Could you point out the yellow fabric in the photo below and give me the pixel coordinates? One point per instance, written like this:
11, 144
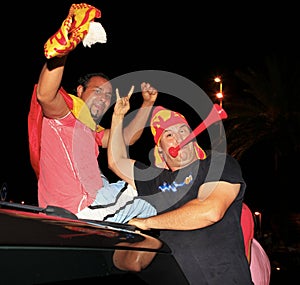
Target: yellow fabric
82, 113
72, 31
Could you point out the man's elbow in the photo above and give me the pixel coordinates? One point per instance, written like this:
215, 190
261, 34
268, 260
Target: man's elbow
132, 260
114, 166
128, 261
216, 215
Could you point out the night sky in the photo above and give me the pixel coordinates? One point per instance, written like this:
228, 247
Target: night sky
192, 39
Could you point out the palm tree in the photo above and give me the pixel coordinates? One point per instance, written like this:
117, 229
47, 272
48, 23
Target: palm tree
264, 121
267, 111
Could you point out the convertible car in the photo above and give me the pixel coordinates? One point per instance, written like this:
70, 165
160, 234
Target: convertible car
53, 246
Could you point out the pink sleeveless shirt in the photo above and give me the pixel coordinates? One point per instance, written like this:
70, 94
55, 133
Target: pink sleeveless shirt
69, 172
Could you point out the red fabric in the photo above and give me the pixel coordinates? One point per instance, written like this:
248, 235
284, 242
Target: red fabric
35, 117
163, 118
259, 261
247, 224
72, 31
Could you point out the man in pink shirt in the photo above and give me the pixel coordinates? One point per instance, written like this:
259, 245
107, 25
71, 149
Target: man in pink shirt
64, 130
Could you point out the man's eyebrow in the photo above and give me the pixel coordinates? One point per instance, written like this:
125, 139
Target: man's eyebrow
184, 125
101, 88
180, 127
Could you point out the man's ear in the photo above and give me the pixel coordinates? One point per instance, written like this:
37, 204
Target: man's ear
79, 90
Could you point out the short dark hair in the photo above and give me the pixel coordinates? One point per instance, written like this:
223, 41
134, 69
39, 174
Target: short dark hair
84, 80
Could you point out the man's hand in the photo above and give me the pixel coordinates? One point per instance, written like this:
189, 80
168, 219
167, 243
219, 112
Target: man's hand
149, 93
122, 104
72, 31
139, 223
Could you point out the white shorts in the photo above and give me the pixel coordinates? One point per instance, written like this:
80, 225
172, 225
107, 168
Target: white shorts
117, 202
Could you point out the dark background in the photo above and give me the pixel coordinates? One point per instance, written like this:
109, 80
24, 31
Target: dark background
196, 40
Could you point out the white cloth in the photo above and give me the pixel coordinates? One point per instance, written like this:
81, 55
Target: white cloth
96, 34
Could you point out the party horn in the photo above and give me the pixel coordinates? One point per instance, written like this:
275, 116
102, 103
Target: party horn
216, 114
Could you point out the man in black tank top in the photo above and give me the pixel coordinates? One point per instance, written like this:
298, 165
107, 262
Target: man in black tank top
198, 197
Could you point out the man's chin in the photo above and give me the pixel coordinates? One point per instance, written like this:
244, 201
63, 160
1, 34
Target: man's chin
184, 154
97, 119
97, 116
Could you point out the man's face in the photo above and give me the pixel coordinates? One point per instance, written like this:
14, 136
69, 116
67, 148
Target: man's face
97, 97
172, 137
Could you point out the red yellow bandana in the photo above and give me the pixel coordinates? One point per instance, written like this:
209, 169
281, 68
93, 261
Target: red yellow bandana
161, 119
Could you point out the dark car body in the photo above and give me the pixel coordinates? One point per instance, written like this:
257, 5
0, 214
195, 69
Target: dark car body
40, 247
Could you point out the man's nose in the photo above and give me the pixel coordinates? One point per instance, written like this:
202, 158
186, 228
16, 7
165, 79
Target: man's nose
102, 96
178, 137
